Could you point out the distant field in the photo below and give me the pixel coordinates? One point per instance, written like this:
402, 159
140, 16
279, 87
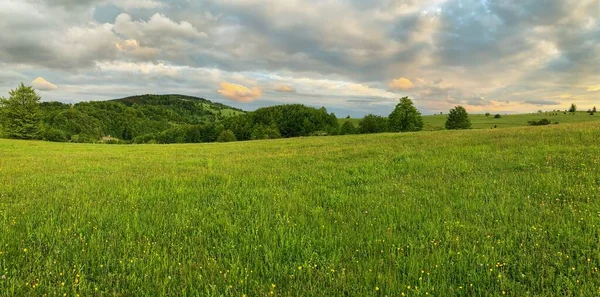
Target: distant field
480, 121
445, 213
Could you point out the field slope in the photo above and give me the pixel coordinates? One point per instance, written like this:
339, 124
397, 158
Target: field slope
486, 212
481, 121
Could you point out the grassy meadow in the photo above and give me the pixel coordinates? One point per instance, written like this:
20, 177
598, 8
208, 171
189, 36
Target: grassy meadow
487, 212
480, 121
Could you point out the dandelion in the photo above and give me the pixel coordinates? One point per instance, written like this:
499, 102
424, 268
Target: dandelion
25, 250
376, 288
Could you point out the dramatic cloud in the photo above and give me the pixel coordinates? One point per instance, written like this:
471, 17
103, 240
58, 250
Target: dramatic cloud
238, 92
401, 84
503, 56
42, 84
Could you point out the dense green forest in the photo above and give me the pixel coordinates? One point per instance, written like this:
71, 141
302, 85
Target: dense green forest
127, 118
155, 119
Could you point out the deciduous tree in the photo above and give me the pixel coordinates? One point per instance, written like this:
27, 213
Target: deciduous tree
405, 117
458, 118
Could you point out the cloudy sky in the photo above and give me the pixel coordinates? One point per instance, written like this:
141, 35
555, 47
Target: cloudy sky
351, 56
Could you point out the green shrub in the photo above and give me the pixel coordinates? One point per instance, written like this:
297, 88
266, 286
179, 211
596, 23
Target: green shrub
55, 135
226, 136
373, 124
348, 128
541, 122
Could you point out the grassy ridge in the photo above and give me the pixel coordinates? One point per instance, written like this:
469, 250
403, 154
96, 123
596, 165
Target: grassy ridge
487, 212
480, 121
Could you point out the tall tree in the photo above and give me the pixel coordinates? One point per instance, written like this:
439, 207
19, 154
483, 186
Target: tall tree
20, 113
458, 118
573, 108
405, 117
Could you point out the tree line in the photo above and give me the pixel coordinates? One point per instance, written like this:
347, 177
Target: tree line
183, 119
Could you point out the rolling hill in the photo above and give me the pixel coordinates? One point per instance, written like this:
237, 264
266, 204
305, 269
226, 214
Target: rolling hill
129, 117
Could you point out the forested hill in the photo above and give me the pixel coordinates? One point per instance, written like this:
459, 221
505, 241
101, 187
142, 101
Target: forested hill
129, 117
176, 100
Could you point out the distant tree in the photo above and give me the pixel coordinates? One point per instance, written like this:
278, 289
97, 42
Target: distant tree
487, 114
594, 109
540, 111
226, 136
372, 124
405, 117
20, 113
458, 118
497, 116
348, 128
541, 122
573, 108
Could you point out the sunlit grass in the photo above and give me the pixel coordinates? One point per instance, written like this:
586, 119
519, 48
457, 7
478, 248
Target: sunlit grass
484, 212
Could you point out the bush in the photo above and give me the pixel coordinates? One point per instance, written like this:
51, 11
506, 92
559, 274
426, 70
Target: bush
372, 124
541, 122
497, 116
348, 128
226, 136
458, 119
55, 135
265, 132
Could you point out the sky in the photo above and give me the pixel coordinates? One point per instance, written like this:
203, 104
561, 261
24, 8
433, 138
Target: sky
354, 57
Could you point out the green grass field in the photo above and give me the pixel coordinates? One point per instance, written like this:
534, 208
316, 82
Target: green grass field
480, 121
476, 213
